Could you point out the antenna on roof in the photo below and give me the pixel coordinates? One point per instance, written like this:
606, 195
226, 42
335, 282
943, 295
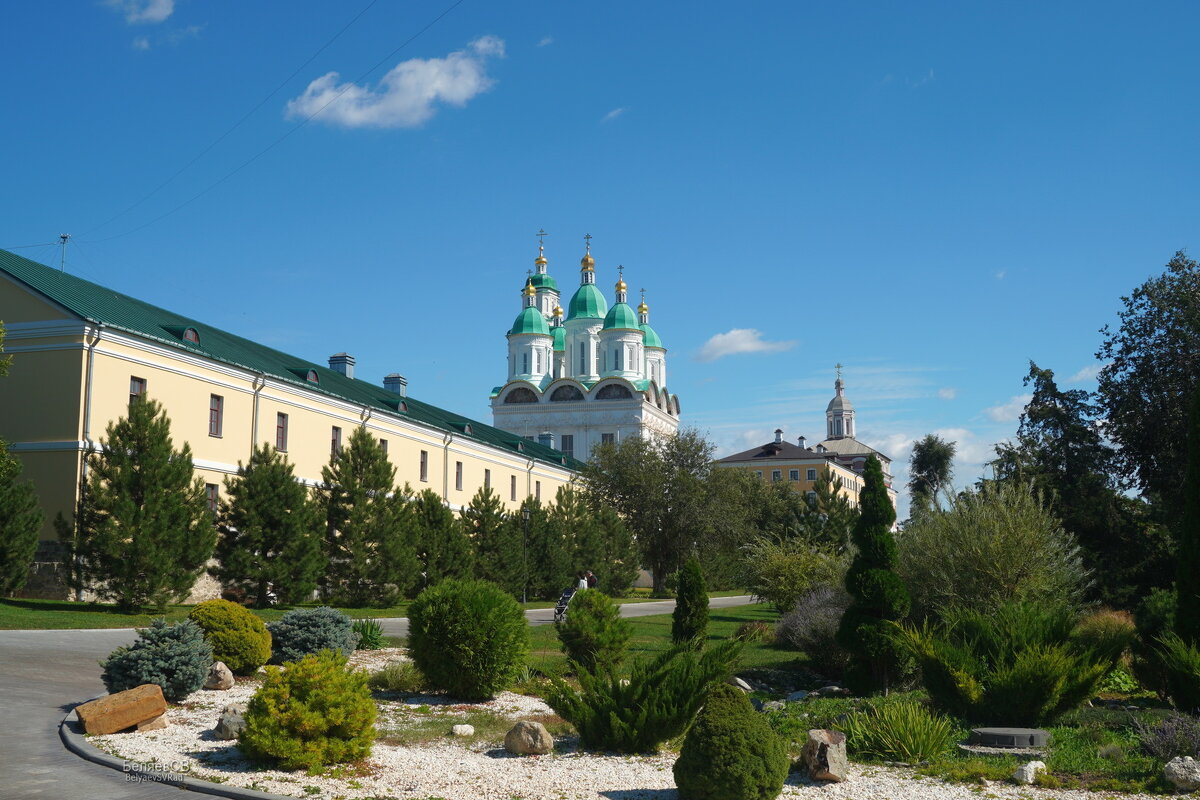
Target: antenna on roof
62, 262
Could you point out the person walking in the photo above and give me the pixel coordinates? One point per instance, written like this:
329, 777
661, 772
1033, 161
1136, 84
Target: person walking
582, 581
592, 580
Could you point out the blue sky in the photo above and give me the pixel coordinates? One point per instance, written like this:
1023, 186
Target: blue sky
929, 193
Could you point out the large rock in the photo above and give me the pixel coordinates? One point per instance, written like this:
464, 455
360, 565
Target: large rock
155, 724
529, 739
231, 722
219, 677
1183, 773
1027, 773
734, 680
462, 730
824, 756
122, 710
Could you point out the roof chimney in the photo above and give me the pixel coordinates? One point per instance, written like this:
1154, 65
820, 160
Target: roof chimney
546, 439
802, 441
396, 383
778, 435
343, 363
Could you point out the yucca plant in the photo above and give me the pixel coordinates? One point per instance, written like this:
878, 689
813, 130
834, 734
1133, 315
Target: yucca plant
906, 732
370, 634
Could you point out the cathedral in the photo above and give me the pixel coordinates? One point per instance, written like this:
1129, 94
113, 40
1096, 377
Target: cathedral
594, 374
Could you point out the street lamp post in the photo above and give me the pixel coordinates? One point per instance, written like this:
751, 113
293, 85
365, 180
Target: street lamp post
525, 557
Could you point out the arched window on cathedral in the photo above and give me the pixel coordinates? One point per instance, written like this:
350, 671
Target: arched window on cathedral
520, 395
614, 391
565, 394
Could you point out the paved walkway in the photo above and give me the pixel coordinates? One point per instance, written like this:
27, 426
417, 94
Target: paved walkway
43, 674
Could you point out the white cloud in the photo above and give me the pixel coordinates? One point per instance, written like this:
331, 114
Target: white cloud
407, 95
1000, 275
738, 341
141, 43
610, 116
921, 81
545, 41
947, 393
1088, 373
142, 11
1010, 411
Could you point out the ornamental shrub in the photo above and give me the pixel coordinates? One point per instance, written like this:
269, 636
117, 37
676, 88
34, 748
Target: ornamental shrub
754, 631
906, 732
398, 676
595, 637
1017, 664
1155, 617
176, 657
655, 704
1173, 737
370, 634
782, 571
730, 752
238, 637
313, 713
307, 631
812, 628
689, 620
468, 637
1180, 662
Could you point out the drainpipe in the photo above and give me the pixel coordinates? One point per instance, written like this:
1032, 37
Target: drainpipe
529, 478
259, 383
87, 427
447, 439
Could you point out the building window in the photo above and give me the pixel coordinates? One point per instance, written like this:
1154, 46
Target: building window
425, 465
383, 446
568, 444
137, 388
582, 361
758, 472
335, 441
811, 475
793, 475
537, 490
812, 499
312, 377
458, 475
216, 407
281, 432
776, 475
191, 335
487, 479
524, 363
212, 493
608, 438
513, 488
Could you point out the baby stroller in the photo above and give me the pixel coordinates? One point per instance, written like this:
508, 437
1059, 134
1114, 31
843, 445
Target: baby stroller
560, 609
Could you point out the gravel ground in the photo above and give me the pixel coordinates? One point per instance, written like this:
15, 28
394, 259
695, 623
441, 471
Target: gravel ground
455, 771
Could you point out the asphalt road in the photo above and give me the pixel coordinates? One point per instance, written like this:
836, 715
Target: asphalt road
43, 674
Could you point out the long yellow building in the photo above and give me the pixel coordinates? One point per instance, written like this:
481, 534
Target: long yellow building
82, 351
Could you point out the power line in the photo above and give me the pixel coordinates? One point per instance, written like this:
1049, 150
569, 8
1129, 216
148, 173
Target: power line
236, 125
281, 139
30, 246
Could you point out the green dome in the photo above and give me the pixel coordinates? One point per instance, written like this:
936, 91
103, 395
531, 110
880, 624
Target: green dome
587, 302
622, 316
530, 320
652, 339
543, 281
560, 338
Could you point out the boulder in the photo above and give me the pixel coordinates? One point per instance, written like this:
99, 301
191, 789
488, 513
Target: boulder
156, 724
741, 684
796, 697
462, 730
772, 705
833, 690
529, 738
1183, 773
231, 722
219, 677
122, 710
1027, 773
824, 756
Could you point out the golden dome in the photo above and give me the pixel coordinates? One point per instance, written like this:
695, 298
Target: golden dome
529, 290
558, 312
643, 308
587, 263
621, 287
541, 259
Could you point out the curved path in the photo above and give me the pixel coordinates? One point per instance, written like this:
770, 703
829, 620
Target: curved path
43, 674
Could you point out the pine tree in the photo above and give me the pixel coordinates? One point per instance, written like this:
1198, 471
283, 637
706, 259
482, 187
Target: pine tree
496, 537
369, 531
143, 532
548, 557
879, 595
689, 622
1187, 560
619, 561
270, 532
443, 549
20, 522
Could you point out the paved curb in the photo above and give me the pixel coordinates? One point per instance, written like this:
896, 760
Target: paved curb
71, 733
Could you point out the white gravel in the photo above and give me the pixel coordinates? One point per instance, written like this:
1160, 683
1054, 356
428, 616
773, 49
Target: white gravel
456, 770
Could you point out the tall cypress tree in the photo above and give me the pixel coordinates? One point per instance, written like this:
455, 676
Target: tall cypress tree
143, 532
443, 549
270, 532
496, 538
369, 527
20, 523
879, 595
1187, 559
689, 621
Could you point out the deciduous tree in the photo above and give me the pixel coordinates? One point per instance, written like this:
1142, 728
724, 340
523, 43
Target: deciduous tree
930, 471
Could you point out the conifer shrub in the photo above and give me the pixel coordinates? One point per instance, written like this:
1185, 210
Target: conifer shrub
1017, 664
906, 732
730, 752
1154, 618
313, 713
176, 657
307, 631
468, 637
594, 636
689, 620
656, 703
1180, 662
238, 637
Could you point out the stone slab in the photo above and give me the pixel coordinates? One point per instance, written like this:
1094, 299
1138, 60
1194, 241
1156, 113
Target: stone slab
1009, 737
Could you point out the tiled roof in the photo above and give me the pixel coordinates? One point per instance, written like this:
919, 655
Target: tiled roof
848, 446
779, 451
102, 305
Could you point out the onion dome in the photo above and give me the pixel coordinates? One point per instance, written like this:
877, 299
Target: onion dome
839, 402
621, 316
643, 308
587, 263
543, 281
560, 338
530, 321
652, 339
587, 303
529, 291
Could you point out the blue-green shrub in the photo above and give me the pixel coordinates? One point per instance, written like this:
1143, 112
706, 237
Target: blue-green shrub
176, 657
307, 631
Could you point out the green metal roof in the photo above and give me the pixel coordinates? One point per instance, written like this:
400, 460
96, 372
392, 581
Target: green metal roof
530, 320
543, 281
622, 316
587, 303
560, 338
652, 339
101, 305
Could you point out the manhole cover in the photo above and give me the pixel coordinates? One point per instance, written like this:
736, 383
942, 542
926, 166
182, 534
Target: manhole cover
1009, 737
